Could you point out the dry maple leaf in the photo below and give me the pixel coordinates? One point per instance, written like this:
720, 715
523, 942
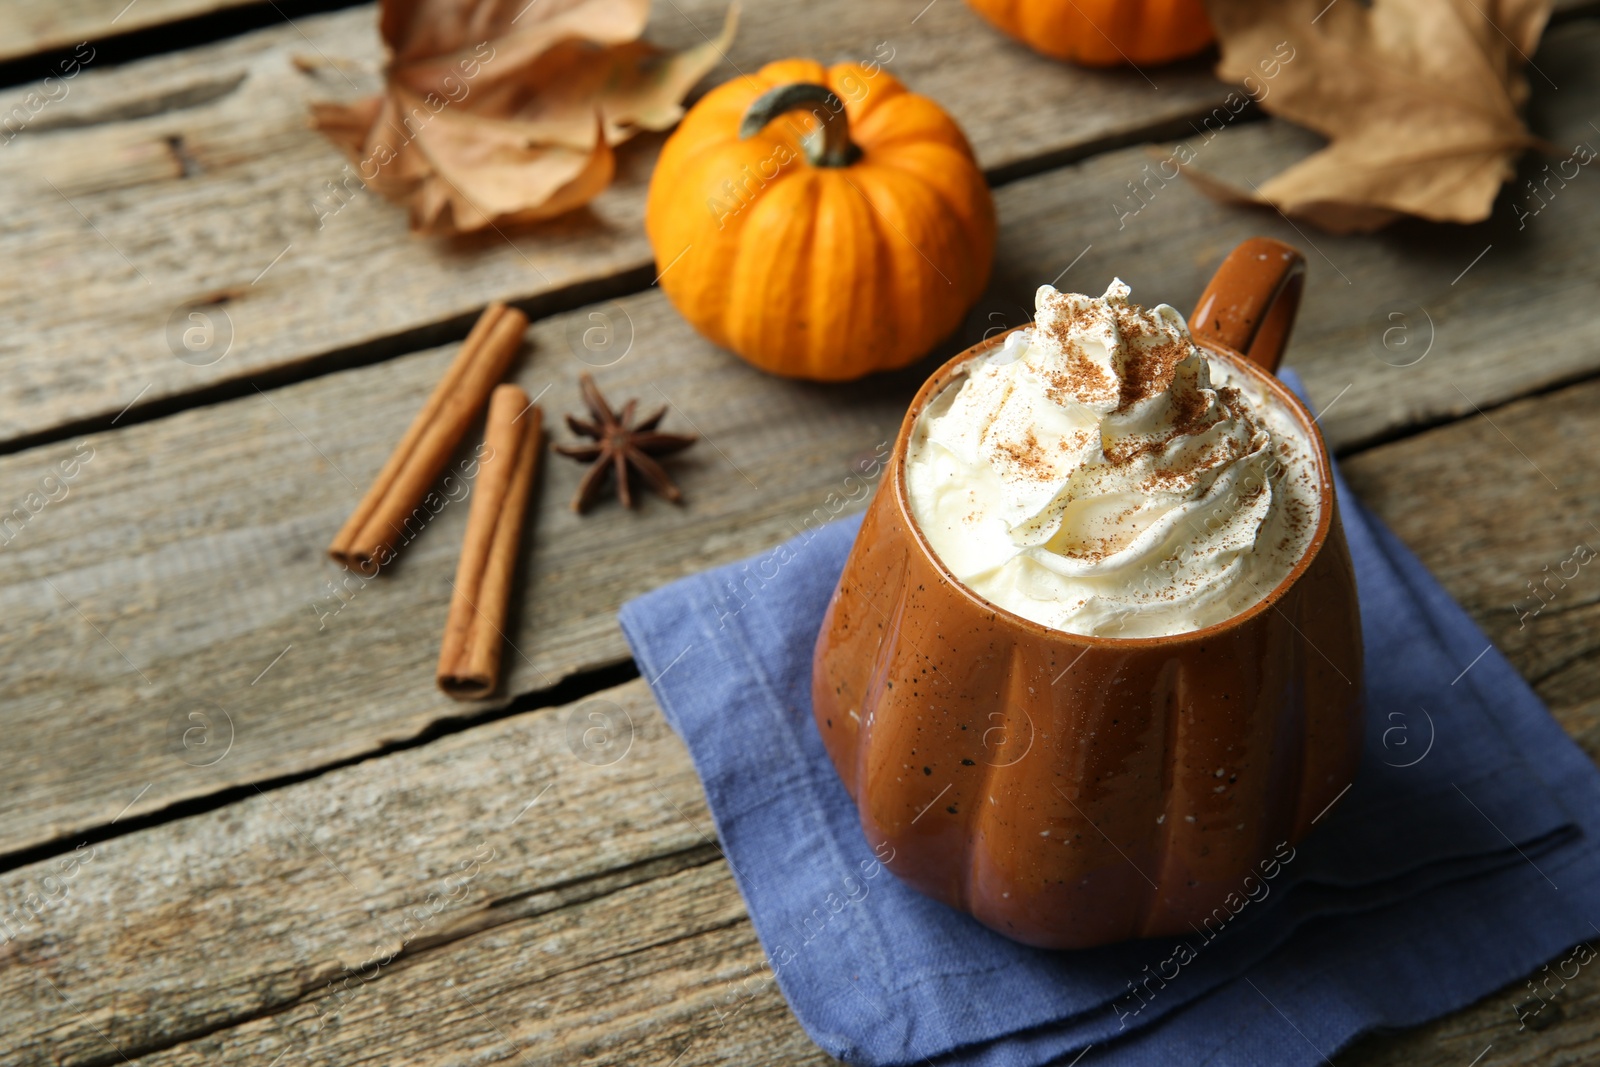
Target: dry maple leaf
1419, 100
499, 113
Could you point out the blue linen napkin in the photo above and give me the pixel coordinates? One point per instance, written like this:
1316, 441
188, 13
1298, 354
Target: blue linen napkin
1460, 859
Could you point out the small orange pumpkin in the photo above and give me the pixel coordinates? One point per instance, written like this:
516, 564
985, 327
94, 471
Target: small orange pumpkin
1103, 33
824, 246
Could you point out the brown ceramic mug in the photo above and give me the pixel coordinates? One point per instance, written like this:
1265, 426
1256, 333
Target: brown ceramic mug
1070, 791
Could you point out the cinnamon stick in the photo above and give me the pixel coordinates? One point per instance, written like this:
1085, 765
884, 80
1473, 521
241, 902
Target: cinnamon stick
469, 661
371, 534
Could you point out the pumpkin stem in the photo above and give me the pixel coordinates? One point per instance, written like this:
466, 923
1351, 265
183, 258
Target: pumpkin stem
829, 145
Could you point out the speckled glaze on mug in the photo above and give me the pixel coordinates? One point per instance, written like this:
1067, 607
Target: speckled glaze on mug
1070, 791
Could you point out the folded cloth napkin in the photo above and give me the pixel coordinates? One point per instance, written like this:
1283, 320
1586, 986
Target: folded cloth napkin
1460, 860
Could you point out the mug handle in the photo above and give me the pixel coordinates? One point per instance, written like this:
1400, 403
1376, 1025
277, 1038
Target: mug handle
1252, 299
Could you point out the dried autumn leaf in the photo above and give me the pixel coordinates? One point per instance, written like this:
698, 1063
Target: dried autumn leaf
503, 113
1419, 100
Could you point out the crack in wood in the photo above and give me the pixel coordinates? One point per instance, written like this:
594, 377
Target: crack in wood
567, 690
178, 98
491, 915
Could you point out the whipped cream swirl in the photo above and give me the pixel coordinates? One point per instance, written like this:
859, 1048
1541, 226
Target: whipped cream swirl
1099, 475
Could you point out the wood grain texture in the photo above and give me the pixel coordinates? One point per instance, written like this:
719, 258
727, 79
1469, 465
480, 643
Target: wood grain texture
35, 27
187, 555
667, 972
259, 905
604, 928
192, 181
1499, 506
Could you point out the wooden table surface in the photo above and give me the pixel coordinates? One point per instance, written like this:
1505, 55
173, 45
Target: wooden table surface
239, 754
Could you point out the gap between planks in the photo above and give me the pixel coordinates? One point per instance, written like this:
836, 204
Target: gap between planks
569, 690
545, 304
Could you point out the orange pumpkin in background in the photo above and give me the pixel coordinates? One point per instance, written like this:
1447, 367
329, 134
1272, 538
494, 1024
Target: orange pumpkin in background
822, 223
1104, 33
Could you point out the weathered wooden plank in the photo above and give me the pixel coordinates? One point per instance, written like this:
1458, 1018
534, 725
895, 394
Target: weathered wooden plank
576, 869
260, 904
668, 972
192, 180
35, 27
192, 545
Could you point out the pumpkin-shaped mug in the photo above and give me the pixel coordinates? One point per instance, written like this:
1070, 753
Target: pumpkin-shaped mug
1067, 790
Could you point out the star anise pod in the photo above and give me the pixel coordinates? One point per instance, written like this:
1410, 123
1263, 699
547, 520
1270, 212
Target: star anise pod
620, 446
